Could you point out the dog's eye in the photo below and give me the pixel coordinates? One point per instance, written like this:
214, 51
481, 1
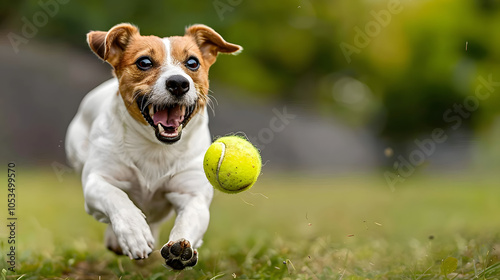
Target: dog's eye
192, 63
144, 63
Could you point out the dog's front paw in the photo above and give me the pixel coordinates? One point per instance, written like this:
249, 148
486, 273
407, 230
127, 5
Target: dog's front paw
179, 254
133, 236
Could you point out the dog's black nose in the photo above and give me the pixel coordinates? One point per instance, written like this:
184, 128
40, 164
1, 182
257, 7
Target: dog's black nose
177, 85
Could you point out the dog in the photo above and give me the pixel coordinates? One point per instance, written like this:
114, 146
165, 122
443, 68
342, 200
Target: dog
138, 140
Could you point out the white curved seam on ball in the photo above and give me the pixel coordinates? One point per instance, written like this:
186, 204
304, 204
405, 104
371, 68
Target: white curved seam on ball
223, 152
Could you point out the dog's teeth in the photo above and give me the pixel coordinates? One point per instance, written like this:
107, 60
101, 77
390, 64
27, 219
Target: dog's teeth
151, 110
160, 128
179, 129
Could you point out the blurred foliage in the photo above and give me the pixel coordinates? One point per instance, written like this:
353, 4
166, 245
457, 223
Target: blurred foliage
411, 68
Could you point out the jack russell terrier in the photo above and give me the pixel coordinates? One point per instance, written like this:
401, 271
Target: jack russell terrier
139, 139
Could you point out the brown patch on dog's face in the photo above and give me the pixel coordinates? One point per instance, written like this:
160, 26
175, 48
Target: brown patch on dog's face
135, 80
122, 46
163, 82
182, 50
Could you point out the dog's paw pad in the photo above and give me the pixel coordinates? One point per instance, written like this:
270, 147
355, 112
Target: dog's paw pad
187, 254
178, 255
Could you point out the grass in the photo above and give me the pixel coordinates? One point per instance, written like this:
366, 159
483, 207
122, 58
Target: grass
342, 227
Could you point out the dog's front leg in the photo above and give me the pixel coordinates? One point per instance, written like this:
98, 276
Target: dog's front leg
109, 204
190, 225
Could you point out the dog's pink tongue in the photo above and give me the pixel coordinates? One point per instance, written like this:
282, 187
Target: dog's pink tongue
169, 117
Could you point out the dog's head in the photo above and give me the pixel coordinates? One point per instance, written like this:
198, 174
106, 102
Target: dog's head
163, 81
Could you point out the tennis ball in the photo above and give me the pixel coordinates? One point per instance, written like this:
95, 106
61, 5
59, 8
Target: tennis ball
232, 164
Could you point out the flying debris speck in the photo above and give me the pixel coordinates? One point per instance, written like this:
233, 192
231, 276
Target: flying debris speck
388, 152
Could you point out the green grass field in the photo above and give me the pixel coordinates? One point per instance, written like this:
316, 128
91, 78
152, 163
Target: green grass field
342, 227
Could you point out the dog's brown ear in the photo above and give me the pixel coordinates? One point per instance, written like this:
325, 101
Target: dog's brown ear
210, 42
110, 45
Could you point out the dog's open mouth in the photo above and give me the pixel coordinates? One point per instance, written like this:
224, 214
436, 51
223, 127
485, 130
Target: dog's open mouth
167, 120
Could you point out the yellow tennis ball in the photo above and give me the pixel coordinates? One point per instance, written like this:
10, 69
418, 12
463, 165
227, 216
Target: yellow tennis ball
232, 164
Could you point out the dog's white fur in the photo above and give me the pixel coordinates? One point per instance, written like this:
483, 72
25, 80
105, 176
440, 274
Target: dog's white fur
132, 181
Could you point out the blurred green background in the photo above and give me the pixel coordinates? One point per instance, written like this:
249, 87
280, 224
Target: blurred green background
363, 80
369, 94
